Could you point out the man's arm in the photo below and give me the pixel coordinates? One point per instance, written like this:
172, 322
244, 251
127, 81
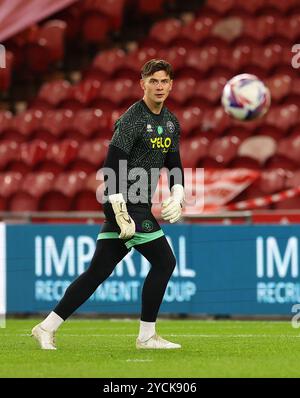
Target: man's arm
172, 207
125, 222
173, 162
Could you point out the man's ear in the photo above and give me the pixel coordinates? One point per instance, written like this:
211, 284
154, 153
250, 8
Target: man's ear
142, 83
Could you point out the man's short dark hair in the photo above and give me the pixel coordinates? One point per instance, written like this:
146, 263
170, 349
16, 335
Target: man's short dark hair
155, 65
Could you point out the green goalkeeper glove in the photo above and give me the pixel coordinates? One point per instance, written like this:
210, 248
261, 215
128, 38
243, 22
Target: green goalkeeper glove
123, 219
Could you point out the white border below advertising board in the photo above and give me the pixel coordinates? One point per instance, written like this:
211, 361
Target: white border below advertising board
2, 274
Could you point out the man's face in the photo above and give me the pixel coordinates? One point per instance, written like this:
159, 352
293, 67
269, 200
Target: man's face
157, 86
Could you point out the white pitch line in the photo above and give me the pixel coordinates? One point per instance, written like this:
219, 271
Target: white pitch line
171, 335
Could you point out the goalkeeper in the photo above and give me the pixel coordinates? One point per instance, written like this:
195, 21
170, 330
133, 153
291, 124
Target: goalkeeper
146, 139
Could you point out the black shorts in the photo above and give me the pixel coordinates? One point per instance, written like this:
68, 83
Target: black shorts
146, 225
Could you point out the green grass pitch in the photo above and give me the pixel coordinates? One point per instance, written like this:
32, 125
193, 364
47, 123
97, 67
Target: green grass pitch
106, 349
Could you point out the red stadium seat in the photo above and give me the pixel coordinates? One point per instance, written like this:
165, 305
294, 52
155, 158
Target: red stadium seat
189, 119
95, 26
22, 202
175, 55
55, 124
107, 62
70, 183
202, 59
6, 71
295, 88
9, 151
86, 199
64, 188
52, 94
63, 152
283, 117
182, 90
113, 9
221, 6
26, 123
239, 131
5, 121
71, 15
292, 179
210, 89
288, 204
270, 131
90, 123
282, 6
221, 152
290, 147
245, 162
196, 31
165, 31
266, 57
288, 27
153, 7
82, 94
32, 188
251, 7
214, 122
260, 28
280, 162
259, 148
134, 95
272, 181
33, 152
59, 156
53, 34
10, 183
91, 155
134, 61
37, 56
38, 183
280, 86
192, 150
116, 91
241, 54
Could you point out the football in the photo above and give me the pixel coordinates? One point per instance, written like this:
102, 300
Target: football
245, 97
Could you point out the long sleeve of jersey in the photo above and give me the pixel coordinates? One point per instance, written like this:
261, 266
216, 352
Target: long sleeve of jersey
173, 164
112, 163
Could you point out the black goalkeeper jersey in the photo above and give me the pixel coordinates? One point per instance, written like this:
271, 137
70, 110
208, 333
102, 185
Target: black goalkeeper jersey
146, 138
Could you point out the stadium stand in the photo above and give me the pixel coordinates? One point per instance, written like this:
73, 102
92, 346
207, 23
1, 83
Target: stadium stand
66, 123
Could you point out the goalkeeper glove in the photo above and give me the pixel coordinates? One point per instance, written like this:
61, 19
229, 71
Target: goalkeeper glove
123, 219
172, 207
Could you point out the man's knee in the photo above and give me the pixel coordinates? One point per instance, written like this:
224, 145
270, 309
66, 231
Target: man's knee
169, 264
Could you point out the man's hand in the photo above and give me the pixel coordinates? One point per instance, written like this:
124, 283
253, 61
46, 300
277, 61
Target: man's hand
123, 219
172, 207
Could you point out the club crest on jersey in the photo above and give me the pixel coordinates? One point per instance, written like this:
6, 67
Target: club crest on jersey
149, 128
160, 130
147, 225
170, 127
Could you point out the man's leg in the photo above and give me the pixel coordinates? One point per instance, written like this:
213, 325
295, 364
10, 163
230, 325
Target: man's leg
108, 253
159, 253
